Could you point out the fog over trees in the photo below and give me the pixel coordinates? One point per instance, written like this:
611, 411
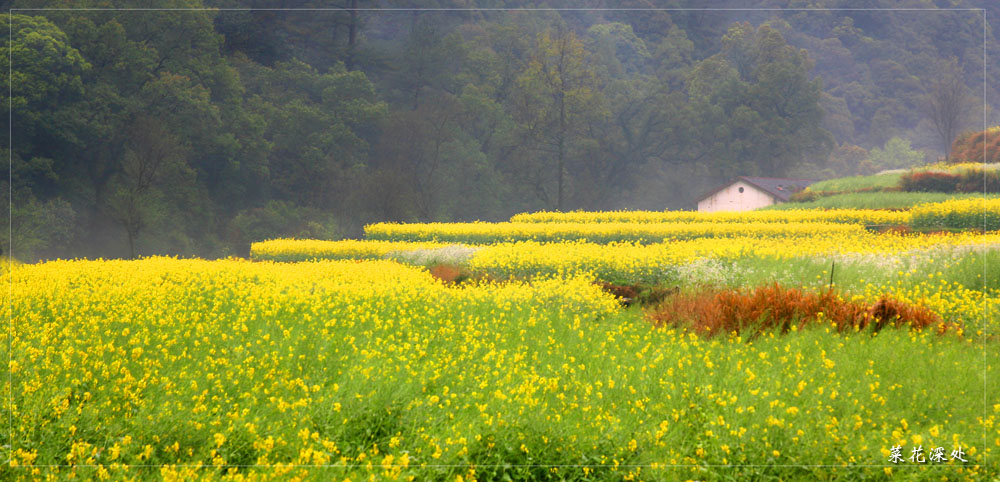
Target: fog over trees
201, 128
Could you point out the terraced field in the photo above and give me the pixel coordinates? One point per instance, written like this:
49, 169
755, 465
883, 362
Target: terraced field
472, 352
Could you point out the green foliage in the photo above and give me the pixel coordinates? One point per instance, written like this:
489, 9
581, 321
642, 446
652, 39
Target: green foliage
46, 68
280, 219
315, 128
896, 154
46, 75
764, 108
434, 116
537, 453
40, 229
557, 98
618, 48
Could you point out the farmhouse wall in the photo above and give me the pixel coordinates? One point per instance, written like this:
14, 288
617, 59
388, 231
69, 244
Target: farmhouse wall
731, 199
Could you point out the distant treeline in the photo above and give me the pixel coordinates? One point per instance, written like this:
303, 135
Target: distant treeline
196, 132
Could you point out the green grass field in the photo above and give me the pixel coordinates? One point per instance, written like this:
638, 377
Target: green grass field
878, 200
849, 184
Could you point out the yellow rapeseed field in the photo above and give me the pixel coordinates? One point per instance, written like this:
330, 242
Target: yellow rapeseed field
626, 260
958, 214
655, 261
190, 369
853, 216
363, 368
487, 233
313, 249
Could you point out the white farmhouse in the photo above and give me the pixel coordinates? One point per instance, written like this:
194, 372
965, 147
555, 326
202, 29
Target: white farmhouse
746, 193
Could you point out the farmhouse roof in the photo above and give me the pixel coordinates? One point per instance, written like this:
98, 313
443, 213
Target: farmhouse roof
779, 188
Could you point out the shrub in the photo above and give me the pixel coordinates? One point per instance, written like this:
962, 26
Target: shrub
625, 293
929, 182
640, 293
896, 154
805, 196
982, 146
773, 307
979, 180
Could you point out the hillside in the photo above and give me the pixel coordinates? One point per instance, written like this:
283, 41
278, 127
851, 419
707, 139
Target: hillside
900, 189
200, 129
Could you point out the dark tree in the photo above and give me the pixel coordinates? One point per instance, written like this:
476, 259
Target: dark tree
948, 104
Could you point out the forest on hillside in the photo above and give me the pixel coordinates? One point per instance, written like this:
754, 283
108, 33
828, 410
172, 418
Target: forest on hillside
209, 124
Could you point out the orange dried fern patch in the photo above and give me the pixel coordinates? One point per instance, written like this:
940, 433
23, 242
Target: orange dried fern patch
772, 307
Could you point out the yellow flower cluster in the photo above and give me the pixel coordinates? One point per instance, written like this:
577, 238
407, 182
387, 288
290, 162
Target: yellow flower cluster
232, 363
974, 310
7, 264
972, 213
854, 216
488, 233
314, 249
960, 166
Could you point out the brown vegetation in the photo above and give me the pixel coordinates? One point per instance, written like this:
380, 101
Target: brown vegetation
642, 294
969, 180
982, 146
929, 181
808, 195
771, 307
896, 229
448, 273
